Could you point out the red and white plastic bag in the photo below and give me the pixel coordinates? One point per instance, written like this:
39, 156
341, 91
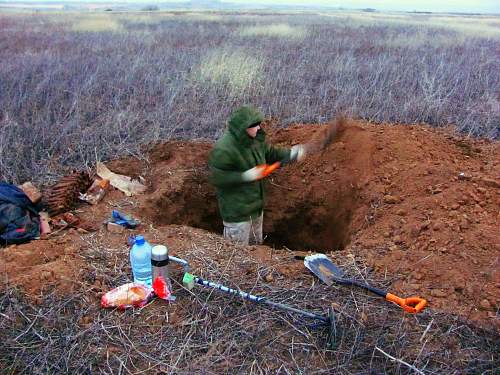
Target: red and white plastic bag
128, 295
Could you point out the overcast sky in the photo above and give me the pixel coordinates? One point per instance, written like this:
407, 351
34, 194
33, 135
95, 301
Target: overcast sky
480, 6
489, 6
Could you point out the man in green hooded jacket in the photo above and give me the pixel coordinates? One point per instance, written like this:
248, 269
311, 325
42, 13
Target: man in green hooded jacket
238, 162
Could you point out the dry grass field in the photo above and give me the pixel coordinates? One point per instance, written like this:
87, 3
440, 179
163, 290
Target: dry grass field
76, 86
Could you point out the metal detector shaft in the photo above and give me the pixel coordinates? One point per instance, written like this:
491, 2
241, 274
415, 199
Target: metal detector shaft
184, 263
258, 299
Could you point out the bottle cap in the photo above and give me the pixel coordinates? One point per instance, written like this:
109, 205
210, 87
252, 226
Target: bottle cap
139, 240
159, 252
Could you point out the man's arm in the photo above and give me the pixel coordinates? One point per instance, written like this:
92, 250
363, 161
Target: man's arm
223, 171
285, 155
224, 174
274, 154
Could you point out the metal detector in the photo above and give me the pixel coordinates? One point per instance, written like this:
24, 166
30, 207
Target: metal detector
189, 280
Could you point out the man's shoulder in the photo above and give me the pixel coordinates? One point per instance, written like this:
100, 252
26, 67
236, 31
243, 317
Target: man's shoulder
226, 142
222, 148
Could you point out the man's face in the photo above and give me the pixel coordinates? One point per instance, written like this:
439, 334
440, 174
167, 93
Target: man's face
252, 132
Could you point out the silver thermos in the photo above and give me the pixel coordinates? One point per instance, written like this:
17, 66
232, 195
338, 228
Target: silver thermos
159, 264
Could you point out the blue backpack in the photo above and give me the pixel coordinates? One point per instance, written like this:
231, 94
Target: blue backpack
19, 220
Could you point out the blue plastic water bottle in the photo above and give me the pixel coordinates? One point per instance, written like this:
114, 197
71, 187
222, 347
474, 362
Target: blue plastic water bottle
140, 258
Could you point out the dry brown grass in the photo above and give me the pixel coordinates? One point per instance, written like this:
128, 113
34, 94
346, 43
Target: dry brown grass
205, 331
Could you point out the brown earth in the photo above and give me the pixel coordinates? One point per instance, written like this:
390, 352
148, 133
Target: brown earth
392, 197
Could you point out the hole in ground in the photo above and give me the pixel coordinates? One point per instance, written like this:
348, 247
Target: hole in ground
310, 230
320, 224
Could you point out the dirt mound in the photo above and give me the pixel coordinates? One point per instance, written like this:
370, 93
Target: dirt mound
179, 191
412, 202
416, 205
41, 266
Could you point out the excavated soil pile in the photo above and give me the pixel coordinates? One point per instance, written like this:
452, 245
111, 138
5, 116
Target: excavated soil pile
416, 205
39, 266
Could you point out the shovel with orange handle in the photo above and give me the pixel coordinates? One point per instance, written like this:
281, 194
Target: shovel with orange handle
323, 267
271, 168
264, 170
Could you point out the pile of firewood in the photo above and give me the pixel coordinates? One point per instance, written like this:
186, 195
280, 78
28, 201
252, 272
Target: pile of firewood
63, 196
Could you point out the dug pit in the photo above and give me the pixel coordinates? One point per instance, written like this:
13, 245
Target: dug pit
319, 225
314, 205
320, 222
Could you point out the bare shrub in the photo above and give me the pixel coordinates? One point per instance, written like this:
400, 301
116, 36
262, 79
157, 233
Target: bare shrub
67, 97
280, 30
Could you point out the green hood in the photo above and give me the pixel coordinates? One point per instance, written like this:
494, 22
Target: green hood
241, 119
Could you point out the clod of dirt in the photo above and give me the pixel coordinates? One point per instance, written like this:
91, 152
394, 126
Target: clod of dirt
331, 132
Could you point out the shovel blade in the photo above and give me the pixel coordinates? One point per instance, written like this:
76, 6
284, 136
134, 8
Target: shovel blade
323, 268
